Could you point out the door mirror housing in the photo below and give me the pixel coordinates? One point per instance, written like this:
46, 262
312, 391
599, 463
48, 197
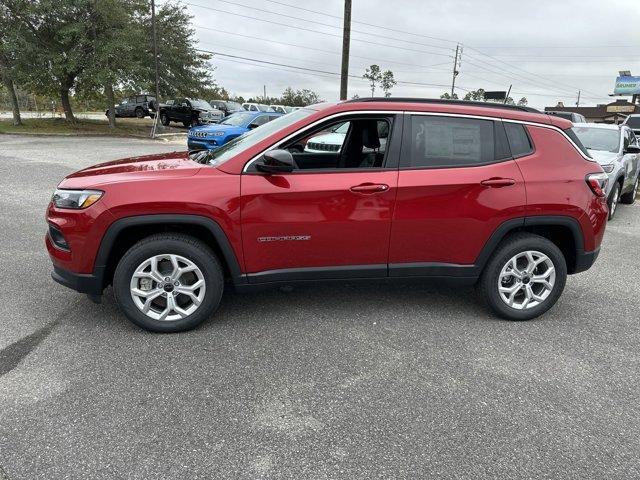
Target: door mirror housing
251, 126
632, 149
276, 161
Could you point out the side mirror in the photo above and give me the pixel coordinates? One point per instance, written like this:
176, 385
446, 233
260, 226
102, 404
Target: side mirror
276, 161
632, 149
251, 126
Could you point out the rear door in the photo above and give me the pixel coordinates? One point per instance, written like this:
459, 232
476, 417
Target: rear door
457, 184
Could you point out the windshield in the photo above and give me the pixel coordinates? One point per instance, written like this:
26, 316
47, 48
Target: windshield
633, 122
237, 119
603, 139
201, 104
234, 106
253, 137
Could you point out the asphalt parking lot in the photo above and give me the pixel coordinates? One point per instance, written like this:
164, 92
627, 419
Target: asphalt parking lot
356, 381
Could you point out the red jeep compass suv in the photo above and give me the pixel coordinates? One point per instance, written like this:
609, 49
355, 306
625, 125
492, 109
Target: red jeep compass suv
505, 197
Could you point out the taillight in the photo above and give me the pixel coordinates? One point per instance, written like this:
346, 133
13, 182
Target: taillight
598, 183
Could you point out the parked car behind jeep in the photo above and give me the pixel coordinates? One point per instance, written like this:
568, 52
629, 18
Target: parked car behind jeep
139, 106
226, 106
189, 111
616, 149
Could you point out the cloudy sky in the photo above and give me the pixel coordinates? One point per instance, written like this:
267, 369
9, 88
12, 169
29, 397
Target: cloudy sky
548, 49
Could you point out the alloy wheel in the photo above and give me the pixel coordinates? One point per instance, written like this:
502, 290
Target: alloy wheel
526, 280
614, 200
167, 287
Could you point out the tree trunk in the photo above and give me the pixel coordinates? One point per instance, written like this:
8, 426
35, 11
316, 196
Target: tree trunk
8, 83
111, 104
66, 104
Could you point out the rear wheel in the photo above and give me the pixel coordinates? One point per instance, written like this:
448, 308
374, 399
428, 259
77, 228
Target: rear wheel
614, 197
139, 112
630, 197
164, 119
524, 278
168, 283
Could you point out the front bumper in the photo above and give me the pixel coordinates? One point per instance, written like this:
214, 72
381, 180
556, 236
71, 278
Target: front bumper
89, 283
202, 144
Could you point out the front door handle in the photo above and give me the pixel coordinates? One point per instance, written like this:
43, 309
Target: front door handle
369, 188
498, 182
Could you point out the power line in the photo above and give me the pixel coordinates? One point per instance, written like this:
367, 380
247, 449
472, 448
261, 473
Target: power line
319, 32
306, 69
330, 52
315, 22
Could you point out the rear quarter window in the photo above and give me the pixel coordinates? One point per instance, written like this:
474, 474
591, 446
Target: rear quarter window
572, 135
519, 140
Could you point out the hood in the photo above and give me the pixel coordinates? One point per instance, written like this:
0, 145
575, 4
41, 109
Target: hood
603, 157
217, 127
175, 165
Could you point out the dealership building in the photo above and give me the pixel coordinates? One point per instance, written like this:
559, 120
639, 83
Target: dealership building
615, 112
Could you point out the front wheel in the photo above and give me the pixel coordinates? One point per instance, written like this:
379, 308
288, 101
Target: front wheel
168, 283
613, 200
630, 197
524, 278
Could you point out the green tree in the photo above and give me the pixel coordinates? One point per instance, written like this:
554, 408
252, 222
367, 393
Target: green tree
299, 98
387, 82
374, 76
523, 102
475, 95
447, 96
8, 71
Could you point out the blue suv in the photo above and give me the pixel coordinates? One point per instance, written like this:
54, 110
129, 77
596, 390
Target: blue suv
210, 137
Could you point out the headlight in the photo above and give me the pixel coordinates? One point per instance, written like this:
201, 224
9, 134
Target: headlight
608, 168
216, 134
75, 199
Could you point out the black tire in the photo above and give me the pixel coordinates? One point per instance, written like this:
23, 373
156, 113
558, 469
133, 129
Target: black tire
629, 198
193, 123
164, 119
508, 248
613, 200
162, 244
139, 112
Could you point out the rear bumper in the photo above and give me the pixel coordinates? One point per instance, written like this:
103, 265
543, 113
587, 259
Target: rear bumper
584, 260
89, 283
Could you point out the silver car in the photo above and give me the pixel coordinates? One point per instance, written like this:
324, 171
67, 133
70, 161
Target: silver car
616, 149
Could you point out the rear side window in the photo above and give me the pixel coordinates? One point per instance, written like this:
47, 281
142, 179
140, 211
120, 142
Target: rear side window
519, 141
450, 142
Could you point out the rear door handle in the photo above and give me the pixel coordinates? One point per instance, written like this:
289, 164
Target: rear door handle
369, 188
498, 182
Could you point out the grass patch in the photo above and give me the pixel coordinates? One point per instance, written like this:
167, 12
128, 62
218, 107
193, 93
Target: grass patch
125, 127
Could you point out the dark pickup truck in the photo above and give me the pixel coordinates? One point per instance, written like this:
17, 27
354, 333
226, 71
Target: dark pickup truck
189, 111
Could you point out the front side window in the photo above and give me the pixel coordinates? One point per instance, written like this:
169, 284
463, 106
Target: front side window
633, 122
354, 144
260, 120
449, 142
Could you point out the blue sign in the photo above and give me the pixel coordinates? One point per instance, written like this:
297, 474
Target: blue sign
627, 86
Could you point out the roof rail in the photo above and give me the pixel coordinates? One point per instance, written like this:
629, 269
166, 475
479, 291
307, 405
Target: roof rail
444, 101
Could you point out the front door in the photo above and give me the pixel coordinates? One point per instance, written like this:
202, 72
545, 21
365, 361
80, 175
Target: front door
457, 183
329, 218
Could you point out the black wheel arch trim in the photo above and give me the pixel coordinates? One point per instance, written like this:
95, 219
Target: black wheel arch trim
109, 238
537, 220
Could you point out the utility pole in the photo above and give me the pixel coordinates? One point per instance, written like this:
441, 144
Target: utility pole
155, 64
346, 41
578, 102
506, 98
456, 66
264, 93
